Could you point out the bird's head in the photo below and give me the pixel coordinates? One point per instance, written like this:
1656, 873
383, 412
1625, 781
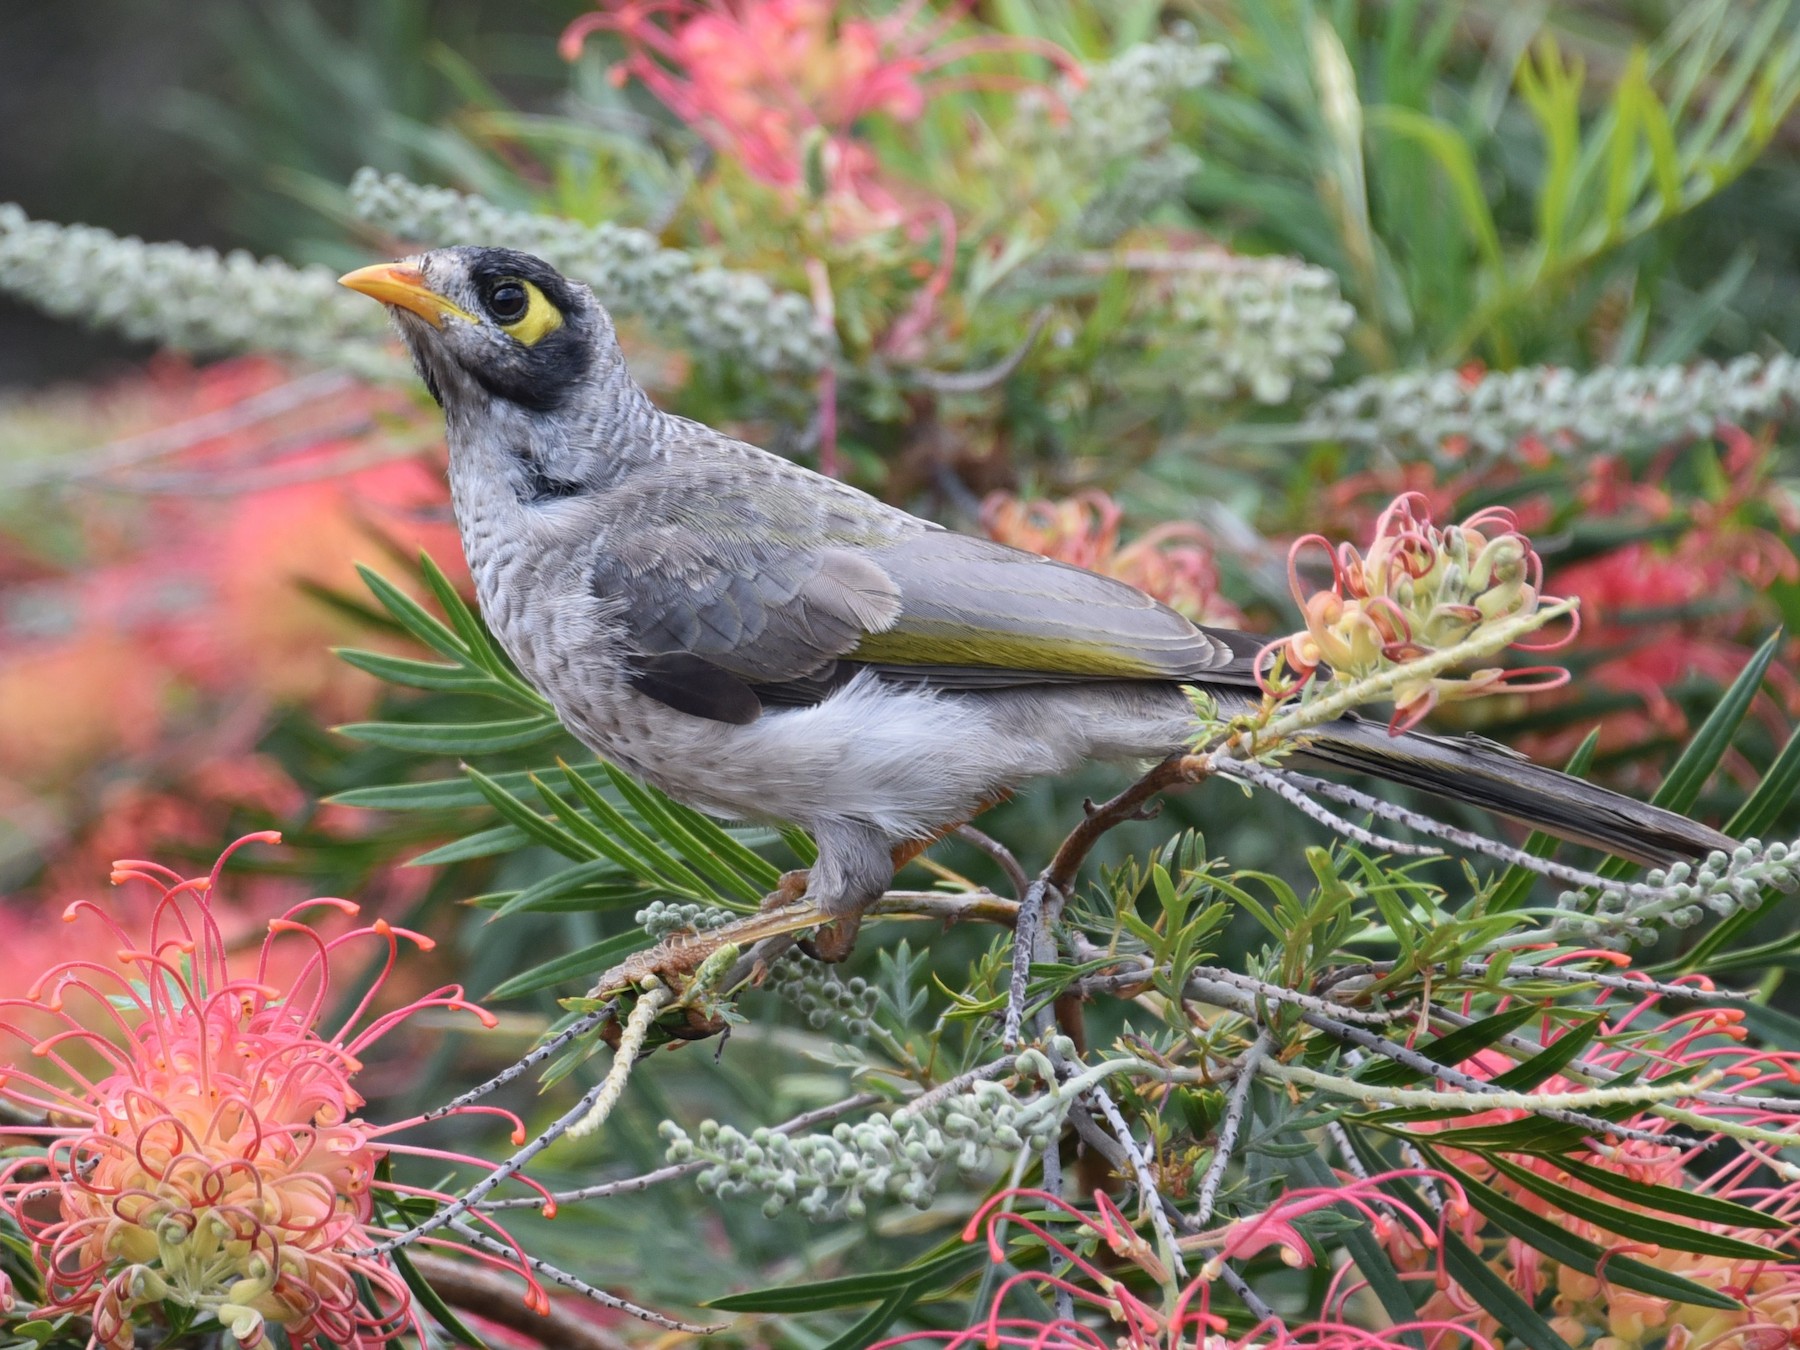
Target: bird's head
487, 324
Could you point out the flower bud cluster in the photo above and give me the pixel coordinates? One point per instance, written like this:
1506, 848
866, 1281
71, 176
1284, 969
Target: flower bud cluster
1612, 408
192, 299
1256, 326
734, 316
1420, 590
1679, 896
903, 1156
815, 989
1114, 130
662, 918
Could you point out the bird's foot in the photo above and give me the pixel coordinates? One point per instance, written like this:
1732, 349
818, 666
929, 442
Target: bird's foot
791, 889
834, 941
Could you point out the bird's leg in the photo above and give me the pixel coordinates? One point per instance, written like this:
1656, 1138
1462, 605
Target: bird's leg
856, 865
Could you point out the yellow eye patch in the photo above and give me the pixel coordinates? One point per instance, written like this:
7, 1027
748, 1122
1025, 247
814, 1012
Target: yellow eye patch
541, 318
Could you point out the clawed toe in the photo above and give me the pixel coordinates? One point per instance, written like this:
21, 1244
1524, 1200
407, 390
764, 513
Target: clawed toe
788, 890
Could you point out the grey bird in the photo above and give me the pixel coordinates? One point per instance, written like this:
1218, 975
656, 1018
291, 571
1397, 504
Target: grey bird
765, 643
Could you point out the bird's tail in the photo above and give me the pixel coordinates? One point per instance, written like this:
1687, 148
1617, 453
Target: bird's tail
1481, 773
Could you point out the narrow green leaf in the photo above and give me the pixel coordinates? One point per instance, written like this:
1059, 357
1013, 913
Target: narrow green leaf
877, 1320
1359, 1239
1630, 1223
415, 674
656, 862
415, 618
442, 794
1456, 158
1552, 1059
1452, 1049
1670, 1199
762, 874
1496, 1297
467, 627
433, 1302
1559, 1244
588, 960
454, 738
851, 1290
482, 844
699, 849
559, 884
1682, 786
516, 813
1703, 753
1773, 795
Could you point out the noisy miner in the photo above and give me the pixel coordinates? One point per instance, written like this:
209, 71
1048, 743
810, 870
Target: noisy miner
765, 643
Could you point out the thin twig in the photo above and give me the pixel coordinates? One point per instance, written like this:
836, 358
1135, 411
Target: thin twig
575, 1030
1056, 880
1235, 1106
491, 1295
919, 1105
1424, 1064
999, 852
296, 393
476, 1238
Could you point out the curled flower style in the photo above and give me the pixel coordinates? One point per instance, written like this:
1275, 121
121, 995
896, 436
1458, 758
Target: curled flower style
1752, 1261
774, 82
1172, 562
1093, 1283
205, 1161
1421, 589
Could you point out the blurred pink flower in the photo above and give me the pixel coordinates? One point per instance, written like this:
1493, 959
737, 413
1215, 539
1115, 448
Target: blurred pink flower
1172, 562
773, 82
204, 1149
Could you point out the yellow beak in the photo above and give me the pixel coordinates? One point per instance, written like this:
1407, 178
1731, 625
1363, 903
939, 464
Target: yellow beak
398, 284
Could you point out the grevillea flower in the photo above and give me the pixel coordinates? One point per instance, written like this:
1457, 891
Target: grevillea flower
1094, 1286
1638, 1036
207, 1155
773, 82
1420, 590
1173, 562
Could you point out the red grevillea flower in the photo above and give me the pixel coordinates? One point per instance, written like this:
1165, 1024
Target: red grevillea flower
207, 1155
1421, 589
767, 81
1187, 1321
1172, 562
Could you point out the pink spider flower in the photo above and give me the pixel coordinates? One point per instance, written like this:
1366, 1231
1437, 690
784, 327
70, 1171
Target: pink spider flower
1589, 1308
768, 81
1135, 1323
1172, 562
1419, 590
207, 1155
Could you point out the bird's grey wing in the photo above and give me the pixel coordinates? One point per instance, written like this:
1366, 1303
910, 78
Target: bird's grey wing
979, 613
735, 598
720, 586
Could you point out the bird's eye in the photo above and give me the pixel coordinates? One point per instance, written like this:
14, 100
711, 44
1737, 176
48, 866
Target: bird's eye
508, 300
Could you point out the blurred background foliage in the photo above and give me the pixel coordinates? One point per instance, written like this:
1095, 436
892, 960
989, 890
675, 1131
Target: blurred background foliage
1261, 268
